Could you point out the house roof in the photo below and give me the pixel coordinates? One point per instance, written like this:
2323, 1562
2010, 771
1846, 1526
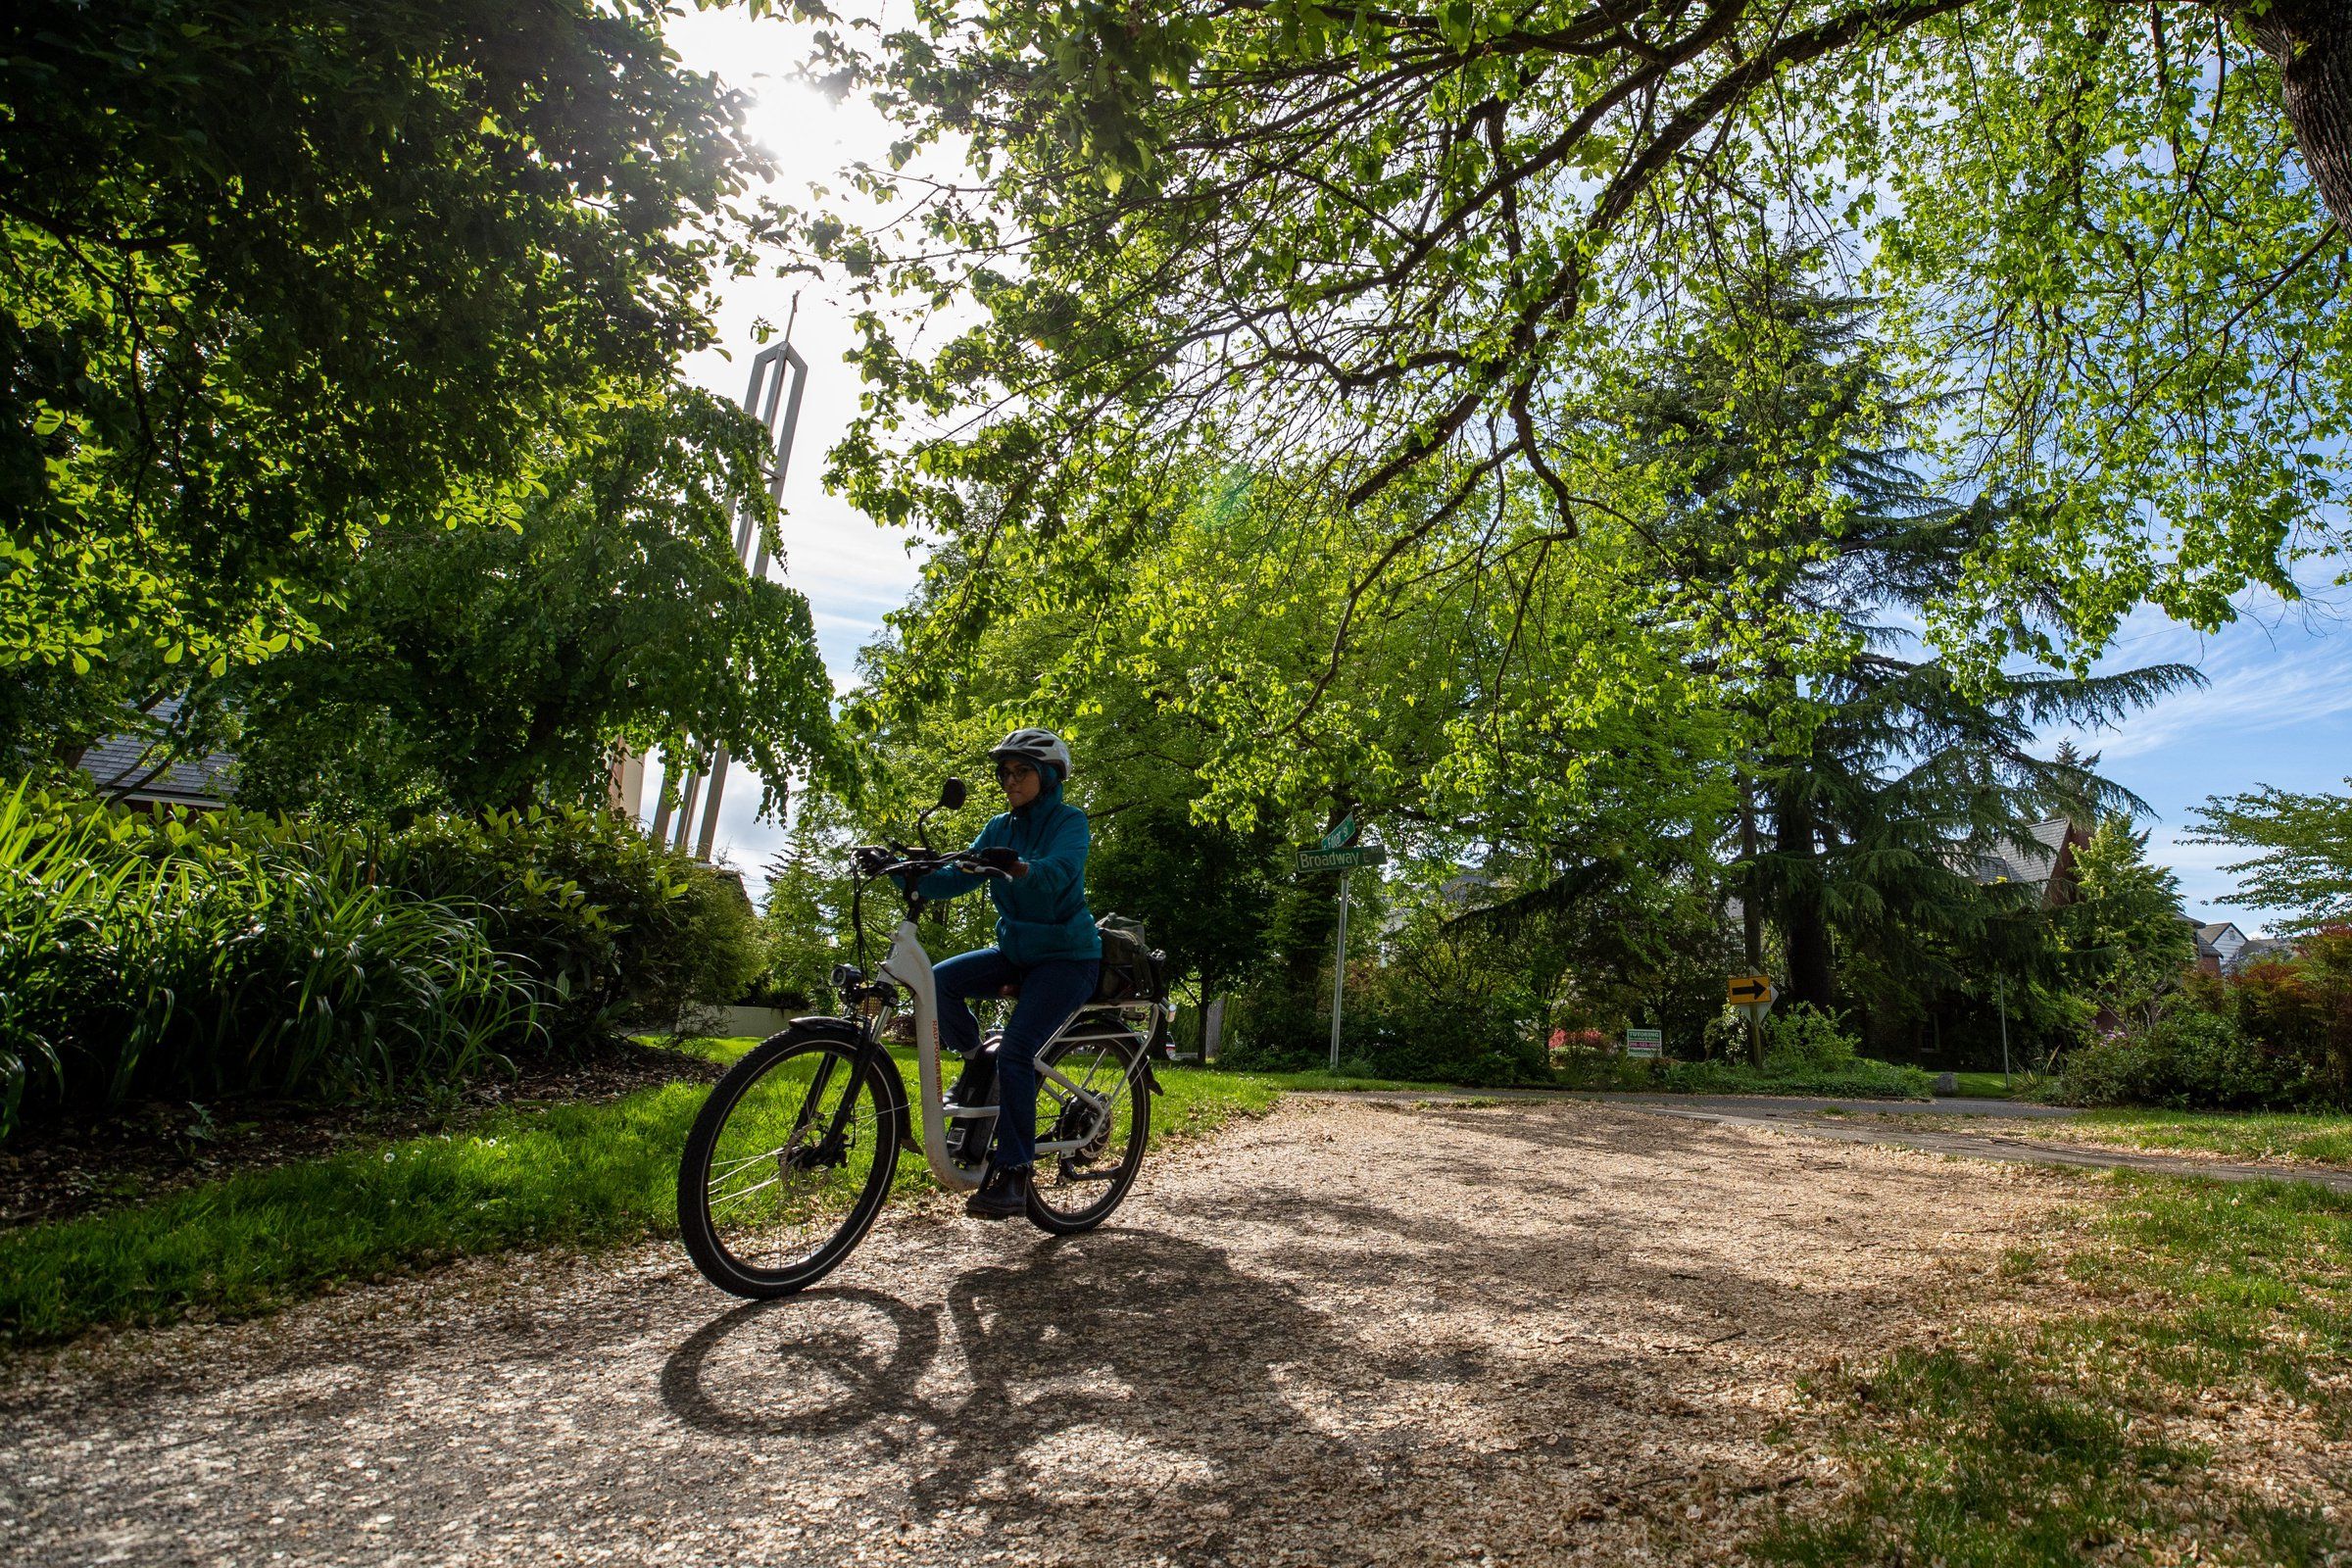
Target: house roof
2211, 933
120, 765
2030, 862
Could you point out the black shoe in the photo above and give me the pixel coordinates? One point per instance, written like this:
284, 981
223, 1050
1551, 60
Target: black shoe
1005, 1194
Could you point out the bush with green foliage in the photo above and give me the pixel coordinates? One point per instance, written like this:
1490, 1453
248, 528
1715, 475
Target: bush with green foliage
1403, 1027
1806, 1053
619, 930
238, 954
1391, 1030
2187, 1057
2277, 1035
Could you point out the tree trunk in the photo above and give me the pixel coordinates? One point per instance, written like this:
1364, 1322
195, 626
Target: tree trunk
1804, 920
2311, 42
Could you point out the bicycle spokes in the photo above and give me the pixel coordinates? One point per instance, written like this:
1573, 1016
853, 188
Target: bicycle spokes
795, 1153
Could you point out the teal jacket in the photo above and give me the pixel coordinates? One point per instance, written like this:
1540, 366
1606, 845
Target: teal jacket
1042, 915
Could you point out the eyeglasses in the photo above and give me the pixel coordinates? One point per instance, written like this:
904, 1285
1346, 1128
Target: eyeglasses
1008, 771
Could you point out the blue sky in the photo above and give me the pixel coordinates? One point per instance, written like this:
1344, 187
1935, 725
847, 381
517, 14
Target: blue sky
2277, 708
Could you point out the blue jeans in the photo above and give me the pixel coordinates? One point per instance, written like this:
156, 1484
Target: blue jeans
1051, 992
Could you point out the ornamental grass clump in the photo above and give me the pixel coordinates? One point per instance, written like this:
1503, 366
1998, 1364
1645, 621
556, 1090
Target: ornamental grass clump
221, 957
238, 954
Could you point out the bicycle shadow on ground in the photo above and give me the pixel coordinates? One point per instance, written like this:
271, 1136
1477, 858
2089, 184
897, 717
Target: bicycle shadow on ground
1096, 1366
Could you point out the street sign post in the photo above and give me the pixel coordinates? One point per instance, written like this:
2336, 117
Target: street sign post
1321, 859
1753, 995
1339, 853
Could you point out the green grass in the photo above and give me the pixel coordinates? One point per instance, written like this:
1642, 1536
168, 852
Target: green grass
2318, 1140
572, 1176
1996, 1085
2049, 1445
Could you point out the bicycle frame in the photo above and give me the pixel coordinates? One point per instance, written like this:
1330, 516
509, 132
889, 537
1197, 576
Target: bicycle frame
909, 967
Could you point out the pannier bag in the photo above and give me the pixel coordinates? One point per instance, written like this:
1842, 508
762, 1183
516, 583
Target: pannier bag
1133, 970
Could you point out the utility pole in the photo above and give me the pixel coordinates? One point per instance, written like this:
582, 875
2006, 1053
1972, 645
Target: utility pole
1339, 973
2001, 991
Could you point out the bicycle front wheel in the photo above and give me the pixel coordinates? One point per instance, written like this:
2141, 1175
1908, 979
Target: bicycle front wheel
788, 1163
1107, 1114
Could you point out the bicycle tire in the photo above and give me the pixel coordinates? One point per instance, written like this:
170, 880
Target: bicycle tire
805, 1196
1134, 1093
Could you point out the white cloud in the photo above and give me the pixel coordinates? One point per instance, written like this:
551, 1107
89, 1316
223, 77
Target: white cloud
2249, 700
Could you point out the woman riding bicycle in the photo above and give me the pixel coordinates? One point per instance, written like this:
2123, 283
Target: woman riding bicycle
1047, 945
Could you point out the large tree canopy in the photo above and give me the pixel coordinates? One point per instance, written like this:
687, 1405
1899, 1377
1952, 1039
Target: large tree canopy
1415, 255
274, 274
476, 668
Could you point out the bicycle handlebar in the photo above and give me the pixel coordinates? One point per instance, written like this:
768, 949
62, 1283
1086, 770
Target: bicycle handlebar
923, 862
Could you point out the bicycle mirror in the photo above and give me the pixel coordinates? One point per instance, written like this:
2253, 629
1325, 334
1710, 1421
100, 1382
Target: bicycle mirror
951, 795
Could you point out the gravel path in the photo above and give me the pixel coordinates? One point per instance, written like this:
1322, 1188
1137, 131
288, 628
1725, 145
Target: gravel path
1349, 1333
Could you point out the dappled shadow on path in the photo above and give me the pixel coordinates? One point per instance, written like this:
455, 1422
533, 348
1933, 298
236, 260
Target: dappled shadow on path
1341, 1336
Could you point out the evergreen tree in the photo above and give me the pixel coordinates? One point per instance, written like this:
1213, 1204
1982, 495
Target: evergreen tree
2124, 938
1871, 773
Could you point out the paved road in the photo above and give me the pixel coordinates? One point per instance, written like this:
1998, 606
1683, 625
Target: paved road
1876, 1125
1348, 1334
1783, 1107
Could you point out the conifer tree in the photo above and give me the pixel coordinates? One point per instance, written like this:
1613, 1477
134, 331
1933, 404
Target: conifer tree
1870, 781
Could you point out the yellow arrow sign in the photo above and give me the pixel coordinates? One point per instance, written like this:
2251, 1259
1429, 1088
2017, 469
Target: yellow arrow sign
1752, 988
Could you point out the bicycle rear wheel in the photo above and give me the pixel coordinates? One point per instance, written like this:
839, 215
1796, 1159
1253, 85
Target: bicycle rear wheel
1076, 1190
788, 1163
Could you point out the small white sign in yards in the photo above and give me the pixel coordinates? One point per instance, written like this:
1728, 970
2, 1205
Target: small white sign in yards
1644, 1043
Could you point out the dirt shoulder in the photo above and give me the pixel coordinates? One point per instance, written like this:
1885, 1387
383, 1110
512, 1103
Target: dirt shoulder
1349, 1333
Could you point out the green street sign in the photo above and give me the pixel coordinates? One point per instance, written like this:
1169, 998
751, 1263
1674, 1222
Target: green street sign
1319, 860
1339, 838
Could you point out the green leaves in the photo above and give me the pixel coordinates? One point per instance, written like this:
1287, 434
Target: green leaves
494, 667
289, 278
1426, 255
2304, 842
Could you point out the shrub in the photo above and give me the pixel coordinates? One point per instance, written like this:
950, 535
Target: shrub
2189, 1057
238, 953
1806, 1052
1404, 1028
1864, 1078
229, 954
1396, 1025
1802, 1039
2298, 1011
618, 930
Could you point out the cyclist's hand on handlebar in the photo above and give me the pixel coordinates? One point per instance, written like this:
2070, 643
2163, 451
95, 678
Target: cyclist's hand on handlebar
1003, 862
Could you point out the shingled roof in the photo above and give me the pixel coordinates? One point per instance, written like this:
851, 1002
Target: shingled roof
121, 765
2031, 862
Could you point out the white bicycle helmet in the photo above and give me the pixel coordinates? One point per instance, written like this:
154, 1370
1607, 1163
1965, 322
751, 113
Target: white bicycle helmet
1040, 748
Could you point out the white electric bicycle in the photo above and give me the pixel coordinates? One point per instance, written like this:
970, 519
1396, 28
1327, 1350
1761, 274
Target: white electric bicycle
797, 1148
